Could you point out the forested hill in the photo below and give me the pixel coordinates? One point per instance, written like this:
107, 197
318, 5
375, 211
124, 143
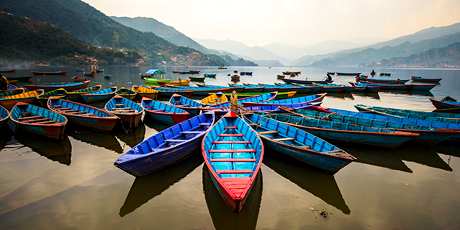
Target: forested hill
24, 39
448, 56
87, 23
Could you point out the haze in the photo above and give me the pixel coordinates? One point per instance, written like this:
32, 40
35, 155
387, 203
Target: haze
293, 22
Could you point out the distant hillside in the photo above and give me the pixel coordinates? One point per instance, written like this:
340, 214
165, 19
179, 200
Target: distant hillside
274, 63
86, 23
227, 45
260, 53
23, 39
229, 61
373, 55
448, 56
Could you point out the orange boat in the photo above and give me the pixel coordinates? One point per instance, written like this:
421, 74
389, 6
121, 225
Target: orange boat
9, 102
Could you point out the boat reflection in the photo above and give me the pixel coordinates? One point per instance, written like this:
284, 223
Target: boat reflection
447, 149
7, 135
147, 187
100, 139
343, 96
222, 216
378, 157
154, 124
59, 151
422, 155
367, 95
416, 93
319, 184
133, 137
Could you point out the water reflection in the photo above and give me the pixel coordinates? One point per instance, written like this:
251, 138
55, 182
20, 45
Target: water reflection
378, 157
132, 138
7, 135
319, 184
154, 124
222, 216
100, 139
343, 96
419, 93
422, 155
152, 185
367, 95
59, 151
447, 149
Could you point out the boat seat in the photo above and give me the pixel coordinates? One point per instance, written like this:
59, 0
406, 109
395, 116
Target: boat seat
305, 147
79, 112
233, 171
202, 124
233, 160
231, 142
24, 113
231, 135
158, 110
27, 118
232, 151
38, 120
125, 111
119, 104
284, 139
171, 140
65, 108
191, 132
185, 105
232, 127
90, 114
269, 132
46, 122
73, 110
58, 106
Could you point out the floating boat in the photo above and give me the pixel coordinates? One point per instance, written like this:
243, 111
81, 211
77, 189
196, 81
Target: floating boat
19, 78
145, 92
100, 95
168, 92
386, 86
427, 135
4, 117
58, 93
345, 133
90, 74
385, 74
194, 71
295, 73
249, 89
303, 88
423, 79
99, 70
49, 73
39, 121
365, 88
264, 97
267, 88
299, 144
202, 91
8, 102
297, 100
274, 108
155, 72
334, 88
80, 70
222, 67
445, 104
280, 95
191, 106
164, 113
126, 93
76, 95
78, 79
184, 72
166, 147
391, 81
213, 99
420, 87
128, 111
7, 70
83, 115
171, 83
198, 79
285, 88
11, 92
246, 73
107, 76
305, 81
347, 74
233, 153
68, 87
231, 89
211, 75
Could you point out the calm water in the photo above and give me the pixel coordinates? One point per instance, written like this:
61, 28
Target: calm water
73, 184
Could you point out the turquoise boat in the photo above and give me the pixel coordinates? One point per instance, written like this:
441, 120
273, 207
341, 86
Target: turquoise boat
128, 111
168, 92
76, 95
163, 113
249, 89
187, 104
297, 100
299, 144
446, 105
263, 97
4, 117
102, 95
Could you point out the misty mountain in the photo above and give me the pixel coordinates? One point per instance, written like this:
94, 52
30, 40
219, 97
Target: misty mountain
260, 53
227, 45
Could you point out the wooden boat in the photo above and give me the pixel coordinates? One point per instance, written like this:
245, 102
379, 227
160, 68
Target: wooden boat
305, 81
100, 95
390, 81
233, 153
126, 93
129, 112
231, 89
99, 70
295, 73
365, 88
303, 88
171, 83
347, 74
213, 99
194, 71
164, 113
12, 82
341, 132
107, 76
420, 87
80, 70
76, 95
211, 75
299, 144
83, 115
427, 135
11, 92
274, 108
166, 147
78, 79
386, 86
267, 88
155, 81
330, 88
423, 79
203, 91
27, 78
191, 106
385, 74
198, 79
264, 97
8, 102
49, 73
68, 87
58, 93
246, 73
184, 72
280, 95
285, 88
39, 121
445, 104
249, 89
168, 92
145, 92
222, 67
7, 70
305, 99
4, 117
90, 74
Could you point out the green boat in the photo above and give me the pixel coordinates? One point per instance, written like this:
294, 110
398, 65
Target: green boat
154, 81
152, 73
76, 95
199, 79
59, 93
280, 95
126, 93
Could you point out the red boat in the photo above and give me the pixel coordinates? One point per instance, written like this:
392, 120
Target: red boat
49, 73
7, 70
78, 79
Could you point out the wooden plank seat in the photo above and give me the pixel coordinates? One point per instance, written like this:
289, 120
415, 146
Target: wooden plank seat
172, 140
158, 110
233, 160
185, 105
119, 104
79, 112
233, 171
37, 120
64, 108
24, 113
233, 127
203, 124
45, 122
90, 114
269, 132
125, 111
232, 151
72, 110
231, 142
231, 135
58, 106
284, 139
191, 132
121, 108
29, 117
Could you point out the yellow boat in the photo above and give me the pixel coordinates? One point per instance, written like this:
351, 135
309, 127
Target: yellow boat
280, 95
145, 92
294, 72
214, 98
180, 82
9, 102
58, 93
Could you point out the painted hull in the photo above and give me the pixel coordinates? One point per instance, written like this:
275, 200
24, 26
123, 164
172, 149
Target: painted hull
420, 87
420, 79
169, 119
47, 88
307, 99
164, 113
76, 95
19, 78
440, 104
27, 97
192, 107
7, 71
266, 97
49, 73
155, 81
304, 81
347, 74
95, 97
4, 117
129, 112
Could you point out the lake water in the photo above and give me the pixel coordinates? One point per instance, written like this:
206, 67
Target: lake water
73, 184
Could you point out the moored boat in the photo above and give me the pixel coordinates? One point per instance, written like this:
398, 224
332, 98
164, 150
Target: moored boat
100, 95
305, 81
280, 95
78, 79
76, 95
187, 104
39, 121
171, 83
8, 102
166, 147
198, 79
128, 111
420, 87
11, 92
168, 92
347, 74
163, 113
296, 100
58, 93
231, 89
4, 117
126, 93
27, 78
211, 75
202, 91
152, 73
145, 92
264, 97
49, 73
445, 104
365, 88
233, 154
68, 87
391, 81
80, 70
249, 89
330, 88
424, 79
213, 99
7, 70
386, 86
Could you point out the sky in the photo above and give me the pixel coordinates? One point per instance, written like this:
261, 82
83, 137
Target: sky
262, 22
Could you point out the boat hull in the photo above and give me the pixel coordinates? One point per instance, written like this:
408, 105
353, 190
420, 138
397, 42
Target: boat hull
170, 119
440, 104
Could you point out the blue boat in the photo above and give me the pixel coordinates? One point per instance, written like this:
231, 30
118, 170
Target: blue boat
296, 100
246, 73
445, 104
263, 97
39, 121
4, 117
212, 75
393, 81
276, 108
231, 89
427, 135
267, 88
187, 104
83, 115
303, 88
233, 153
346, 89
166, 147
420, 87
330, 88
128, 111
367, 88
163, 112
287, 88
249, 89
168, 91
200, 91
102, 95
299, 144
68, 87
290, 81
80, 70
346, 133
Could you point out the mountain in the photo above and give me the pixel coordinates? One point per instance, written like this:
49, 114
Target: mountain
260, 53
87, 23
372, 55
23, 39
227, 45
448, 56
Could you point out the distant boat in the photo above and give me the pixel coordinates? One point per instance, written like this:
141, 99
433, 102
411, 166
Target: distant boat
107, 76
80, 70
246, 73
385, 74
68, 87
49, 73
305, 81
78, 79
199, 79
211, 75
99, 70
347, 74
222, 67
423, 79
19, 78
7, 70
